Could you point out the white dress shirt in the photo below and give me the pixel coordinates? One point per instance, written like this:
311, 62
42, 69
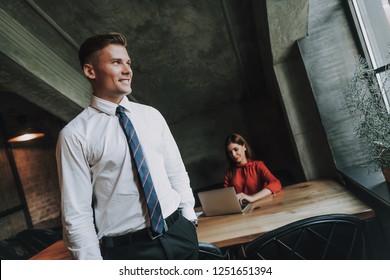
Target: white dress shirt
94, 163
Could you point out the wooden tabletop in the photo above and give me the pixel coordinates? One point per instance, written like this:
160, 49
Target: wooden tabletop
56, 251
293, 203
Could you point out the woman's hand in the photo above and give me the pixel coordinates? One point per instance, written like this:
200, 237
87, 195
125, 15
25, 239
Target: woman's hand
250, 198
244, 197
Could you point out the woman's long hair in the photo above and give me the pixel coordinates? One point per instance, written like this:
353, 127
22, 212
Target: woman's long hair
237, 139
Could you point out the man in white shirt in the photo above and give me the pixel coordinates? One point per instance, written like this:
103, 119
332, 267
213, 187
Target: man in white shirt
104, 210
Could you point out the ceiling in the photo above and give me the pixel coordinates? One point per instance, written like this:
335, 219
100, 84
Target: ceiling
189, 57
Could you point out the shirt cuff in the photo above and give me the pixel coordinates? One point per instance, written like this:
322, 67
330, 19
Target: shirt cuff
189, 213
86, 253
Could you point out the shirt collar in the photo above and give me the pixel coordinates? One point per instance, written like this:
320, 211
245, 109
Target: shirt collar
109, 107
248, 163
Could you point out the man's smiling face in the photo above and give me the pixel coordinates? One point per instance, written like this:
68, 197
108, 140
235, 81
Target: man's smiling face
110, 73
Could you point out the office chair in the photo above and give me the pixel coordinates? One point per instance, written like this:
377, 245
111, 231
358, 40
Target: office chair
325, 237
209, 251
35, 240
7, 252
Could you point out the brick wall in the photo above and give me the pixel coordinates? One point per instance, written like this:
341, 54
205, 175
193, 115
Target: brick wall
38, 174
35, 164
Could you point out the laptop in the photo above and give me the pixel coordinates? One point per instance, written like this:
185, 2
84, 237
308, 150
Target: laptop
220, 202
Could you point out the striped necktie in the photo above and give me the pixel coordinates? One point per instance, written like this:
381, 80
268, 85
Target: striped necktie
154, 209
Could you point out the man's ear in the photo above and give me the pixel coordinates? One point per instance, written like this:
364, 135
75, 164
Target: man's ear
89, 72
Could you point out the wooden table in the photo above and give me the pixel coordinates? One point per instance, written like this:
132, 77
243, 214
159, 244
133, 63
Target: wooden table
56, 251
293, 203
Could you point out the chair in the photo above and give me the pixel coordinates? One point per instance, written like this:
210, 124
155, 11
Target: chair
7, 252
209, 251
35, 240
323, 237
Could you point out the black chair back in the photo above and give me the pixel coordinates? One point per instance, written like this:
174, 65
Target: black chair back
35, 240
7, 252
337, 237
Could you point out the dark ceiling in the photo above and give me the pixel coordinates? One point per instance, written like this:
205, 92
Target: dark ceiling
189, 57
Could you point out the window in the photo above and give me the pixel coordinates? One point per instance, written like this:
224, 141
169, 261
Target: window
372, 18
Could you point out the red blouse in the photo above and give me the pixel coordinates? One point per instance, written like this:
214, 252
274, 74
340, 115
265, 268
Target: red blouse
251, 178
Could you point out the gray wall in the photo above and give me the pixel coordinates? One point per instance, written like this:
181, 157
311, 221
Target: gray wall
286, 22
202, 137
330, 53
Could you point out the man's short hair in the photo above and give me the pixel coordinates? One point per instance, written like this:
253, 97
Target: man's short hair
98, 42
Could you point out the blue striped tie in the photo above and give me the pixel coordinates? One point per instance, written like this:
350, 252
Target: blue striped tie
154, 209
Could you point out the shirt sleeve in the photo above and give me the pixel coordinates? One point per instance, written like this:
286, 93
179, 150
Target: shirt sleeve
270, 181
76, 197
177, 173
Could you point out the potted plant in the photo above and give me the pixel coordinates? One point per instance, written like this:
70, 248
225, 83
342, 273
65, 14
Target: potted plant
364, 101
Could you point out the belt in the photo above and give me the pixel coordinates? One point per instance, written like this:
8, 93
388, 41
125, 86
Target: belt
140, 235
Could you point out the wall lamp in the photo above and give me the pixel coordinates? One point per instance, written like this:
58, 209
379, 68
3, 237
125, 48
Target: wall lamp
25, 134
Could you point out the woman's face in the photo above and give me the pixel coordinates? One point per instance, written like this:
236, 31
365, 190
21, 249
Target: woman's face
237, 153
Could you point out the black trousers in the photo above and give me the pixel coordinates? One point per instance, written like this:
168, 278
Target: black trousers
180, 242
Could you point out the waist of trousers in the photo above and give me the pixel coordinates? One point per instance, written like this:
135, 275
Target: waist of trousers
136, 236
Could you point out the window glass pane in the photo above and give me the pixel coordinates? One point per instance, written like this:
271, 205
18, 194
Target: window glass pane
384, 82
374, 19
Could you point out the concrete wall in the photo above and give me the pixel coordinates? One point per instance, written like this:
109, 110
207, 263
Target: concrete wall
281, 24
201, 139
330, 52
306, 128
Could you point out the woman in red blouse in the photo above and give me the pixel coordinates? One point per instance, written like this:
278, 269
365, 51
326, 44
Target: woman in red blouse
251, 178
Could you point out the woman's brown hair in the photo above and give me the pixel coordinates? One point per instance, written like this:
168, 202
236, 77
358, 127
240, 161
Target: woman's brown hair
236, 139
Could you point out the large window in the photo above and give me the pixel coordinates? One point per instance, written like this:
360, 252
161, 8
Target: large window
372, 18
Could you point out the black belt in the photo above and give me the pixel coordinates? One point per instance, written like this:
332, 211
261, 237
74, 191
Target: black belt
140, 235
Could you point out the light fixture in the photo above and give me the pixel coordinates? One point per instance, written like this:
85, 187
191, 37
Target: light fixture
25, 134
